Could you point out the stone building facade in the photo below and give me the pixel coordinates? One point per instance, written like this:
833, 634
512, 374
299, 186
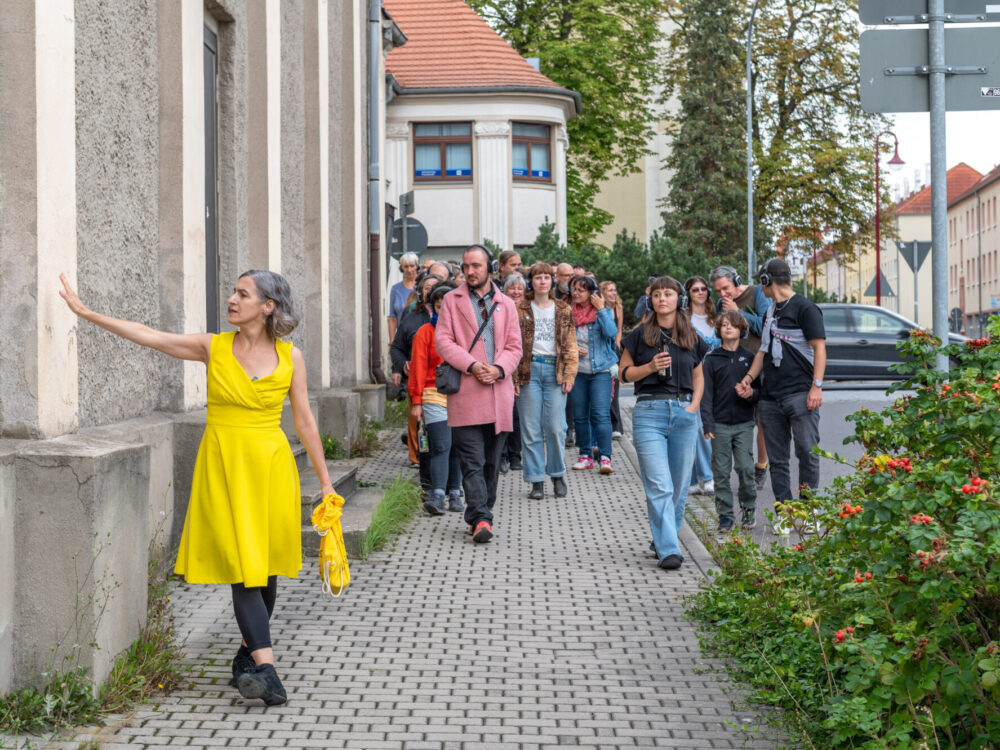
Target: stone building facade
153, 150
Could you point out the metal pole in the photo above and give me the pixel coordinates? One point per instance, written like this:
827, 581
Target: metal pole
939, 177
751, 260
979, 240
916, 285
878, 228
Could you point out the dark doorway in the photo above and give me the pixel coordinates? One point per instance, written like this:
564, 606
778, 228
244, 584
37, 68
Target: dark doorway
211, 183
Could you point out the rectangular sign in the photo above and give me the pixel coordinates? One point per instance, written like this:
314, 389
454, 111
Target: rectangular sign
874, 12
884, 49
994, 302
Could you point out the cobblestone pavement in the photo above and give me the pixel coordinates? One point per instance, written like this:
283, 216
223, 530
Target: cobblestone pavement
561, 632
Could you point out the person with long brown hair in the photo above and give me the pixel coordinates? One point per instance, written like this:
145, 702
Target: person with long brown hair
609, 290
663, 358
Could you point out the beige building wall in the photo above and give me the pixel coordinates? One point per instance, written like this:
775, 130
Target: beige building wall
974, 256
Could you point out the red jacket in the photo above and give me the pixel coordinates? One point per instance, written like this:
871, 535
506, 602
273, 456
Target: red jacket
424, 360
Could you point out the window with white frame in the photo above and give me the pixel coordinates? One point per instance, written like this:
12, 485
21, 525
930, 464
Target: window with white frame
532, 149
442, 151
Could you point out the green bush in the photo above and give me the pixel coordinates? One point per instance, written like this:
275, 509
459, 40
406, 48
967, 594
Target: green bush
881, 631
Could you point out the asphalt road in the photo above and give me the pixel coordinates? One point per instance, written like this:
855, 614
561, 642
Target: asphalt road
839, 401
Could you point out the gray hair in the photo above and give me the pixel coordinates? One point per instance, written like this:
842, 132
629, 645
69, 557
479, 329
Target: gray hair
408, 258
273, 286
513, 279
723, 272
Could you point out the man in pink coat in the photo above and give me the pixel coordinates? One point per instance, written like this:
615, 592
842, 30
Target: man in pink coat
484, 406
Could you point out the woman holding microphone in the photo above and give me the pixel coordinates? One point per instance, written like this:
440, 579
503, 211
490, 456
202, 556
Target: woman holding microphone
663, 358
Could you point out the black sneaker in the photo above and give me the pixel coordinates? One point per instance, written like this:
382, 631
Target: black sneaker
759, 476
537, 491
515, 464
241, 663
262, 682
570, 439
559, 486
455, 504
503, 466
749, 519
671, 562
725, 525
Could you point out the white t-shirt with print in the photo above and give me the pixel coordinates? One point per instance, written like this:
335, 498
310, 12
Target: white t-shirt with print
545, 331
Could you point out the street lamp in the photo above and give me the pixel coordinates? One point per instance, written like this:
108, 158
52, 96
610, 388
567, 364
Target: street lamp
894, 163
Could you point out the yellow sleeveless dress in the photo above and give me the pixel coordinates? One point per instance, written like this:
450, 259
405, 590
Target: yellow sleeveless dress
243, 521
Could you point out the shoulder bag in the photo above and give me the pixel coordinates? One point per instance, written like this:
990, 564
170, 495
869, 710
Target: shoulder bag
447, 379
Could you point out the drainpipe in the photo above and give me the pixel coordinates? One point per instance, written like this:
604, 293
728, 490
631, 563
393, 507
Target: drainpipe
979, 241
374, 175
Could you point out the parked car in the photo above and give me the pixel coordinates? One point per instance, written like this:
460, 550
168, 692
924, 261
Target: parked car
861, 341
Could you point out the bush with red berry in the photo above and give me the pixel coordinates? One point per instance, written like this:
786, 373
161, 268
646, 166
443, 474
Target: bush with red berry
882, 630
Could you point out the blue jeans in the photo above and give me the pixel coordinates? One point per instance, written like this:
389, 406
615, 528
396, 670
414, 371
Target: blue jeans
445, 470
591, 398
542, 408
702, 456
664, 435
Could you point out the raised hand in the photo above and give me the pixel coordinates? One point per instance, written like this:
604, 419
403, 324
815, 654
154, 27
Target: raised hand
71, 298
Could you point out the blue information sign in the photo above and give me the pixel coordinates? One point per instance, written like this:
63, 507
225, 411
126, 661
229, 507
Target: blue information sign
544, 173
428, 173
458, 172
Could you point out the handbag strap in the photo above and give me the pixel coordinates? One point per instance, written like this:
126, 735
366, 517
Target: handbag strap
483, 326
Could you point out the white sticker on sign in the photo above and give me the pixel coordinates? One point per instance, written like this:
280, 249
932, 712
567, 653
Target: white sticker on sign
993, 8
989, 91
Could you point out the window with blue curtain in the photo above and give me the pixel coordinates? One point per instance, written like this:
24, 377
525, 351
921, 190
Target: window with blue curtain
442, 151
531, 148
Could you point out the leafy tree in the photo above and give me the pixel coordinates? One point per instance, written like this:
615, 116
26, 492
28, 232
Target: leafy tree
812, 141
706, 207
606, 51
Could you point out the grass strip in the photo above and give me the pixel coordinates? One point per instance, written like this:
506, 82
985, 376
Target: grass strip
400, 502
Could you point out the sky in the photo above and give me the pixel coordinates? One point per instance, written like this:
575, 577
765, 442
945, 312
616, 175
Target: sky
972, 137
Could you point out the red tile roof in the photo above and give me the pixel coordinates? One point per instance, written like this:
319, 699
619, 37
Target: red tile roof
990, 177
449, 46
960, 178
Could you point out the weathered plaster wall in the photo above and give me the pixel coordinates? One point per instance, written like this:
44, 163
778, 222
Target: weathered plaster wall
117, 184
293, 262
7, 556
18, 236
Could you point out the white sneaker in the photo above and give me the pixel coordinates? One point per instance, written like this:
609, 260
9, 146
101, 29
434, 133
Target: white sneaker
694, 489
780, 525
616, 435
707, 487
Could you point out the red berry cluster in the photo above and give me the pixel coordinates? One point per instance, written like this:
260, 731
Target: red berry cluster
900, 463
976, 343
859, 578
975, 485
921, 519
843, 633
847, 510
928, 558
797, 548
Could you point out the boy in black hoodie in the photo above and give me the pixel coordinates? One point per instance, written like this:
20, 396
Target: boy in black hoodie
728, 421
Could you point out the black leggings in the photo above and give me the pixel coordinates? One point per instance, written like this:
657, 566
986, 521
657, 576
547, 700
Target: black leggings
253, 607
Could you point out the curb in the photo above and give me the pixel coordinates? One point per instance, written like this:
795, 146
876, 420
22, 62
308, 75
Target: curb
697, 551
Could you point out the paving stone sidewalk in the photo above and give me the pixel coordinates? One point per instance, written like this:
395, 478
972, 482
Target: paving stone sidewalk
560, 632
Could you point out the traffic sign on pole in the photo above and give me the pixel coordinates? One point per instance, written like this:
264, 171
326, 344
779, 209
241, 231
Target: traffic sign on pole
914, 253
882, 12
890, 59
408, 235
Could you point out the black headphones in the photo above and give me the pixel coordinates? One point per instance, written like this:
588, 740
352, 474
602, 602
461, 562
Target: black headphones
589, 284
765, 276
732, 273
685, 295
492, 264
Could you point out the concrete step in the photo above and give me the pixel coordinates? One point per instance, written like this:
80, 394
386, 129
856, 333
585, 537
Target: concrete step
358, 512
343, 474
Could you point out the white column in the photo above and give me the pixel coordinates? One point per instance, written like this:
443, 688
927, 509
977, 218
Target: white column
323, 31
193, 185
273, 35
396, 161
562, 146
493, 179
55, 134
360, 187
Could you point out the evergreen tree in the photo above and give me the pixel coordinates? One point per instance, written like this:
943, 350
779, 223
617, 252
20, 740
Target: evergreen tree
705, 215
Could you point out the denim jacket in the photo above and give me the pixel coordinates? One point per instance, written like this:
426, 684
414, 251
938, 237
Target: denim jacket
602, 334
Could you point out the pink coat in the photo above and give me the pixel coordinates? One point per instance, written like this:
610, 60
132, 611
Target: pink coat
477, 403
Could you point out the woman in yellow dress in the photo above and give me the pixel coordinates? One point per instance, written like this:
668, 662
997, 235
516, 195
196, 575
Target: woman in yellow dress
243, 524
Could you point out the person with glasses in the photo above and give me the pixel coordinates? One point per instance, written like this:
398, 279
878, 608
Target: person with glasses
702, 312
482, 410
663, 358
543, 378
591, 394
400, 292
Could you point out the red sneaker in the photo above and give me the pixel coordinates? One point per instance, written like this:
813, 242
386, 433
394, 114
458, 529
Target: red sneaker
483, 532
